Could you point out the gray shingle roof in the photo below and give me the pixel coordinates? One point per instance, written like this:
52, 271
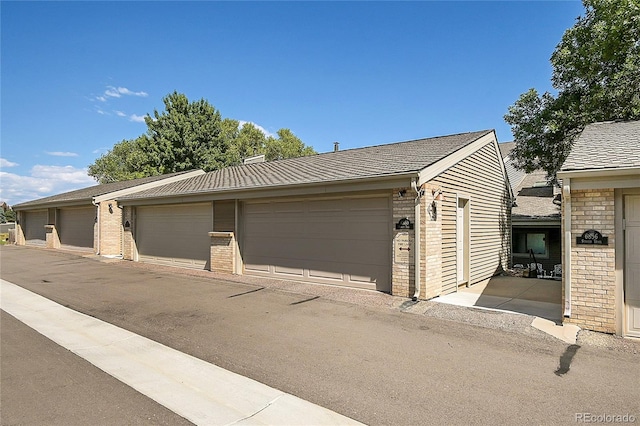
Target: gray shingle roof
360, 163
87, 194
607, 145
506, 148
535, 202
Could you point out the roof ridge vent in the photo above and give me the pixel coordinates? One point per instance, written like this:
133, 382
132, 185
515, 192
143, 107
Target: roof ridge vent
255, 159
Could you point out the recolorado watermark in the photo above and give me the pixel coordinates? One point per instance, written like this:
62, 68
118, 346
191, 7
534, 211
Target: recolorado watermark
605, 418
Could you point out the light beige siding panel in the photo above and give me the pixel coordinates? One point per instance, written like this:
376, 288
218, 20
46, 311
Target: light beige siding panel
479, 177
343, 241
33, 226
176, 235
76, 226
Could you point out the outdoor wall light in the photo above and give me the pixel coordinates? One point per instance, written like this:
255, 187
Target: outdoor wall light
402, 193
110, 208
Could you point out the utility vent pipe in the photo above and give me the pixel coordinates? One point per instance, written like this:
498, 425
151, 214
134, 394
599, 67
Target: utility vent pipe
336, 146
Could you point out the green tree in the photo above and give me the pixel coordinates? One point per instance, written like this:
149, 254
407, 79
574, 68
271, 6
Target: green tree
286, 145
596, 71
191, 135
126, 160
6, 213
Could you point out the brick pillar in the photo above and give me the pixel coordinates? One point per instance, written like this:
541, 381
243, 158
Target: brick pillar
110, 238
593, 273
129, 248
223, 248
52, 238
431, 244
402, 271
20, 240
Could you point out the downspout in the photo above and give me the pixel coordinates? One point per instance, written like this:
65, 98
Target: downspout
97, 242
416, 238
566, 269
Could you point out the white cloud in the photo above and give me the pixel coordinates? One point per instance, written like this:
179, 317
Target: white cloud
262, 129
6, 163
42, 182
120, 113
62, 154
137, 118
118, 92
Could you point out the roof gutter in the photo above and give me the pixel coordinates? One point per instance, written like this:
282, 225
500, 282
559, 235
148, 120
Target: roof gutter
566, 268
416, 238
591, 173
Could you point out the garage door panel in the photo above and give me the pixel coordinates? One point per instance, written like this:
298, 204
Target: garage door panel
258, 265
34, 226
76, 226
340, 241
175, 235
298, 272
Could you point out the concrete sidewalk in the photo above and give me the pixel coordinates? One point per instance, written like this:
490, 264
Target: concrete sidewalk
194, 389
536, 297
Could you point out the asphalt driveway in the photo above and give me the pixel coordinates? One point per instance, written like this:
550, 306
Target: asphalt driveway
369, 359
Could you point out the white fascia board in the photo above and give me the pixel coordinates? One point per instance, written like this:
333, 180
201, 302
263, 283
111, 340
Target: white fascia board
113, 195
628, 178
595, 173
451, 160
55, 204
402, 180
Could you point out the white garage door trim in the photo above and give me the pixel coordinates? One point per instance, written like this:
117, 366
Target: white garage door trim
632, 265
76, 226
33, 227
340, 241
175, 235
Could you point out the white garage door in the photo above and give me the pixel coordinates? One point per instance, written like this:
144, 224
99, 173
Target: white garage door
76, 226
175, 234
343, 241
33, 224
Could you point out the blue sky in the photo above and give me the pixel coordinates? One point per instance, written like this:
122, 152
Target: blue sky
77, 77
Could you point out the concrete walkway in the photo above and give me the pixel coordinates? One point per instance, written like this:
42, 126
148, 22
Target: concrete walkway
537, 297
194, 389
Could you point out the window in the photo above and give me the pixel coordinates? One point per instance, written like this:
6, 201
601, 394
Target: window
524, 241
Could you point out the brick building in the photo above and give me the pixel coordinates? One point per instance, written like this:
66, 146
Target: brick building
601, 229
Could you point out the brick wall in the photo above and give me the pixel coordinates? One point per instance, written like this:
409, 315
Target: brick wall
20, 240
110, 238
223, 246
128, 243
52, 237
402, 273
593, 266
431, 244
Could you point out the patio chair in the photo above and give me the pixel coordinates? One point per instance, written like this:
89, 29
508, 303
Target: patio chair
557, 271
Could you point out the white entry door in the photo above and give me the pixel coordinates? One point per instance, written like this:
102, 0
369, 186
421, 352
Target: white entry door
632, 265
462, 237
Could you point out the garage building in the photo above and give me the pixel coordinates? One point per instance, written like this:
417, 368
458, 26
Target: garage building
85, 219
601, 229
431, 211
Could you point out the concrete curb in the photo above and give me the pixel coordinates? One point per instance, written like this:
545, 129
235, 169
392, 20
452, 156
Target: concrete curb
200, 392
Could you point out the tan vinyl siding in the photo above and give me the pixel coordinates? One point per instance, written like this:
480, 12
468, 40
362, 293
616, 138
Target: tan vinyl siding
224, 216
480, 179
